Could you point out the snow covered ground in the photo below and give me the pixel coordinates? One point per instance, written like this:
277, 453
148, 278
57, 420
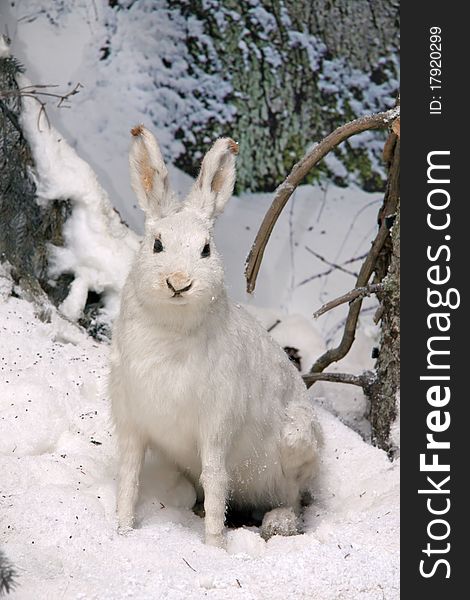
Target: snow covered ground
57, 497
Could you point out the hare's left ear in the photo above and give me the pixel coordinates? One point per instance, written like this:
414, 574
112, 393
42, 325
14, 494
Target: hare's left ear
216, 179
149, 175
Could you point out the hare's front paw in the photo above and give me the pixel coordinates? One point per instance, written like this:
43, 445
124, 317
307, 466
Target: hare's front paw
125, 524
215, 539
124, 529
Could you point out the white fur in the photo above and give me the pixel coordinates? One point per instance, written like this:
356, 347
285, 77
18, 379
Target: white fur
196, 376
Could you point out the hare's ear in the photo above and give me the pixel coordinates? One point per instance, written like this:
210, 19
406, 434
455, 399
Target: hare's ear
216, 179
149, 175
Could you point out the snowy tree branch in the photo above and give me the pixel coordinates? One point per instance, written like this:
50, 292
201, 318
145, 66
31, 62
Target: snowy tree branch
349, 297
7, 575
295, 177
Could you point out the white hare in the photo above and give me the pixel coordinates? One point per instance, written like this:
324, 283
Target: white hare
194, 375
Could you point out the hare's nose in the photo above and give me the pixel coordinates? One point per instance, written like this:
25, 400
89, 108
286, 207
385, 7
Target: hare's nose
177, 287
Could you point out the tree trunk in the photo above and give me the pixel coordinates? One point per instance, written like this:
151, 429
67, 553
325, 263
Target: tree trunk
384, 390
297, 69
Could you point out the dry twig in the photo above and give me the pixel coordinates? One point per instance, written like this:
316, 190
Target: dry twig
192, 568
331, 269
34, 91
349, 297
331, 264
365, 380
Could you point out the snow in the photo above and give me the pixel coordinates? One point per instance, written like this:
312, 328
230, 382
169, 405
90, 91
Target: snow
58, 465
57, 449
4, 49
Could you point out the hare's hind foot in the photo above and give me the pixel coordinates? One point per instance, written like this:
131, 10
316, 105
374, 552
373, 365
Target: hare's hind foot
280, 521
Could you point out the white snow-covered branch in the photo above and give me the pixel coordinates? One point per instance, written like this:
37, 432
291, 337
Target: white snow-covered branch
98, 247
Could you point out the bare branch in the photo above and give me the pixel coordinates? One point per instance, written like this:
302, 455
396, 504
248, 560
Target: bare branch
192, 568
295, 177
331, 264
65, 97
396, 126
32, 91
365, 380
378, 313
38, 85
389, 208
330, 270
316, 276
330, 335
274, 325
349, 297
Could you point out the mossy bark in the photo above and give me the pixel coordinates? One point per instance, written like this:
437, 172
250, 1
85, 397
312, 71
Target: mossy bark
298, 69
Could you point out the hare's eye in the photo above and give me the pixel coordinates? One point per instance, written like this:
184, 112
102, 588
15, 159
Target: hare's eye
158, 246
206, 251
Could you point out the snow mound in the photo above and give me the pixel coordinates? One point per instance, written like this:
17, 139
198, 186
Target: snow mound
58, 465
245, 543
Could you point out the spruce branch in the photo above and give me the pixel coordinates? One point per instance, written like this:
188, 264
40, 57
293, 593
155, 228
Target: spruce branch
7, 575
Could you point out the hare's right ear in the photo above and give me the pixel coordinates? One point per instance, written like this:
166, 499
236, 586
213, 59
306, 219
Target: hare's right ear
149, 175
